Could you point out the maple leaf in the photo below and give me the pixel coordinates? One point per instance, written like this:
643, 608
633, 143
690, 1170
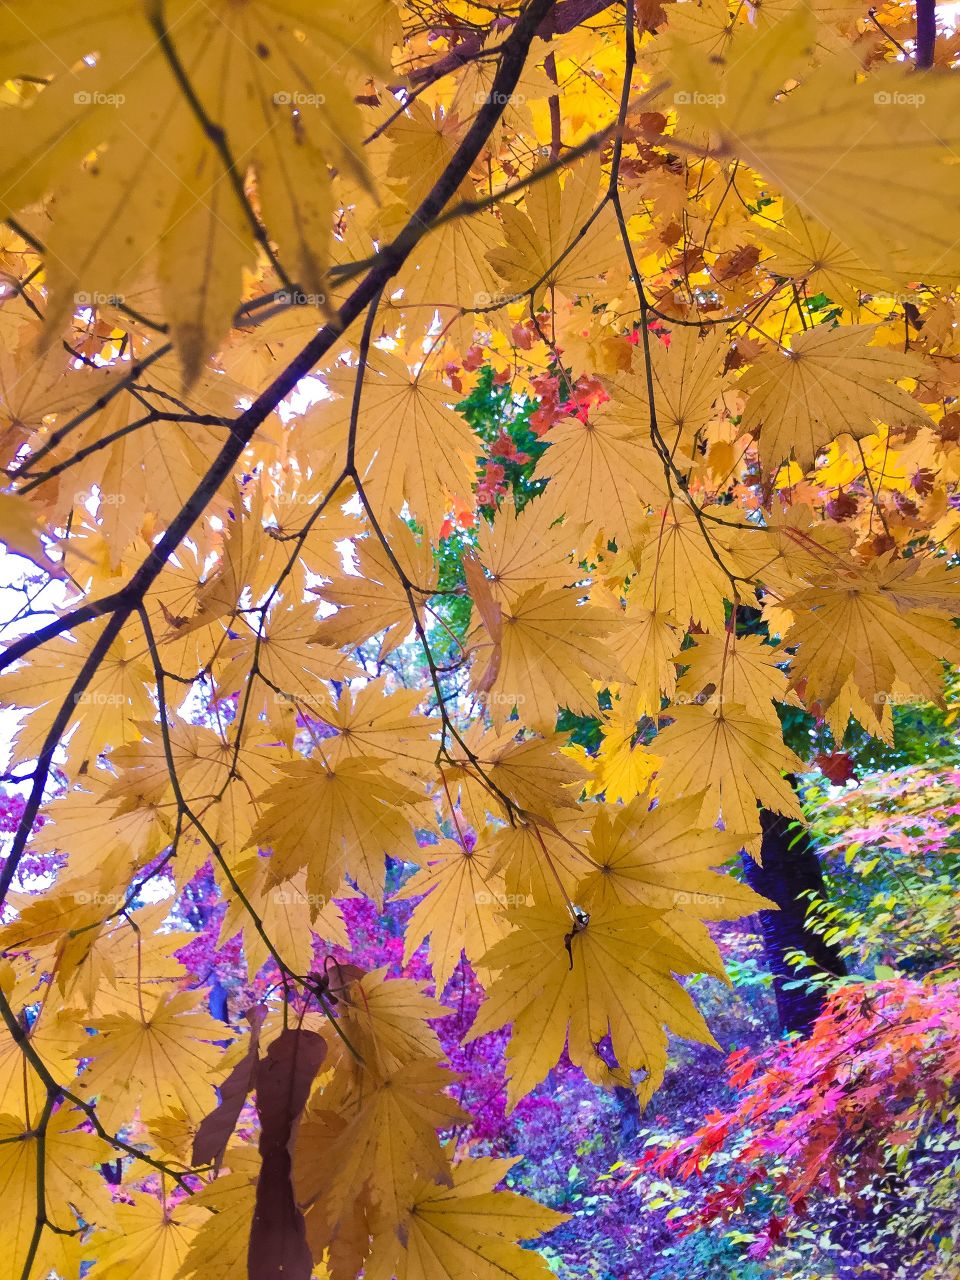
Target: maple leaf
388, 1020
622, 766
680, 573
104, 713
371, 722
468, 1228
551, 651
459, 908
73, 1192
686, 380
738, 759
807, 251
33, 386
645, 645
603, 475
290, 916
340, 818
830, 382
561, 241
20, 533
388, 1142
883, 627
153, 1061
738, 669
662, 858
413, 446
541, 863
150, 1237
285, 656
524, 549
218, 1248
376, 600
571, 983
503, 769
886, 151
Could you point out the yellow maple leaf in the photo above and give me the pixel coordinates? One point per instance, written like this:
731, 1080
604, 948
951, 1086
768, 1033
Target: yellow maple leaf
728, 668
103, 714
551, 651
564, 240
622, 767
686, 376
371, 722
459, 910
388, 1020
388, 1143
466, 1229
831, 382
374, 600
659, 857
542, 863
603, 476
338, 819
20, 533
562, 982
73, 1190
680, 572
218, 1248
885, 627
506, 770
289, 916
895, 138
150, 1238
738, 759
527, 548
162, 1057
645, 645
412, 447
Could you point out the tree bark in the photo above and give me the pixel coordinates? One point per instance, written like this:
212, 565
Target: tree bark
790, 867
926, 33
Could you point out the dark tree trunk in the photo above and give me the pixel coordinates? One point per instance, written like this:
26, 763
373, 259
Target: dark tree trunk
790, 867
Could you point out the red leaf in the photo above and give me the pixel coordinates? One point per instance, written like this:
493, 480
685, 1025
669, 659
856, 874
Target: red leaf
836, 765
216, 1128
278, 1239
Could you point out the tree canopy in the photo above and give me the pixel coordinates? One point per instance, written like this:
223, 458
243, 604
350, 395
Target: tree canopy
467, 436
